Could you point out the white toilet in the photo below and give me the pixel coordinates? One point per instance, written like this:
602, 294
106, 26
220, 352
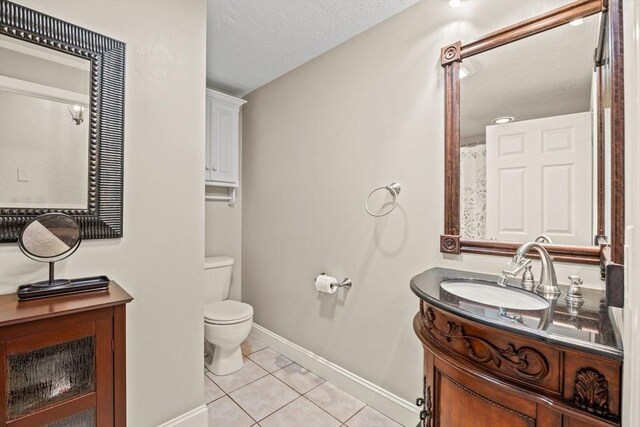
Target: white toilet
227, 323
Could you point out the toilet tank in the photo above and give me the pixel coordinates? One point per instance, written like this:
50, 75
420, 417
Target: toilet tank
217, 278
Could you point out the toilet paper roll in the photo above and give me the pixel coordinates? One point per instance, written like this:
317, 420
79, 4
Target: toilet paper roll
323, 284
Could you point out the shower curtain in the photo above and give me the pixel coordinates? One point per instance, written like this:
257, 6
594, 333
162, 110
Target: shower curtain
473, 191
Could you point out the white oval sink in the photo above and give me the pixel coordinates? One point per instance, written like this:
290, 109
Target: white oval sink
495, 296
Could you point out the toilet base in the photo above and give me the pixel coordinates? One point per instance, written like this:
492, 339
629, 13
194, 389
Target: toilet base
224, 361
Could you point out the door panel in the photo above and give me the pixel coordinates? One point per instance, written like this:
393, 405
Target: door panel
539, 180
223, 155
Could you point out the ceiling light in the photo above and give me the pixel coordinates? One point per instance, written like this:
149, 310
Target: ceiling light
576, 22
454, 3
502, 120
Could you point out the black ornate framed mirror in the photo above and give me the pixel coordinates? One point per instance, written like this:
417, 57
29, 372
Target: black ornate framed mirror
534, 124
62, 115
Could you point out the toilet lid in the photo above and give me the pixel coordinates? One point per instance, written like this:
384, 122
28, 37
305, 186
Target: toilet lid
227, 312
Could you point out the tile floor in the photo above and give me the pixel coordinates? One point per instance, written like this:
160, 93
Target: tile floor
272, 391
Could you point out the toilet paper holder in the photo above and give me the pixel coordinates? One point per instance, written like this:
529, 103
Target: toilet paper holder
346, 282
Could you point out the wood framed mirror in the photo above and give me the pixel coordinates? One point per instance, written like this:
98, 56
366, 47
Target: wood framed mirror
62, 115
554, 165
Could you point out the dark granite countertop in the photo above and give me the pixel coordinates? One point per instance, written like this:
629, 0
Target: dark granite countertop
590, 328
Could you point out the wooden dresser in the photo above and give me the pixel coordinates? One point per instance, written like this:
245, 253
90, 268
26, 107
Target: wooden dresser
62, 360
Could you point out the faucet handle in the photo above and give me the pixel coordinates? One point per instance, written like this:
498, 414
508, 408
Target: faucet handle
520, 264
574, 295
575, 280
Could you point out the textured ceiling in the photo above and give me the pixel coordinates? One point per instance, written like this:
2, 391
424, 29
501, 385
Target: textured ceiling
252, 42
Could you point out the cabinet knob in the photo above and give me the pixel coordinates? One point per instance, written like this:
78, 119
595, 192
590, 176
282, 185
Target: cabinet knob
206, 167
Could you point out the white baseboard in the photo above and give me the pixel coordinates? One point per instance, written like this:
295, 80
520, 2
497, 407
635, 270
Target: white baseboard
396, 408
194, 418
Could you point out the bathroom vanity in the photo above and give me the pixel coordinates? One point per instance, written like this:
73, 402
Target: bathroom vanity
62, 359
485, 365
534, 170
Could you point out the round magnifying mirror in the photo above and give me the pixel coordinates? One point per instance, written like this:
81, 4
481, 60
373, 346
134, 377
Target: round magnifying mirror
49, 238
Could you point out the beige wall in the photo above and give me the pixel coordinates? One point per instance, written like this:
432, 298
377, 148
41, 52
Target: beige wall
223, 228
159, 260
316, 142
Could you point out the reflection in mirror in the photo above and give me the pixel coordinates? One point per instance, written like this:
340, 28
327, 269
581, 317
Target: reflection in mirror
50, 238
44, 131
528, 139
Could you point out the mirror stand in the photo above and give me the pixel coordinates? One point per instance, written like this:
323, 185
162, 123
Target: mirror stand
51, 281
51, 238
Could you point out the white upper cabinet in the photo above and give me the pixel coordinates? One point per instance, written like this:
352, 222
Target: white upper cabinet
222, 138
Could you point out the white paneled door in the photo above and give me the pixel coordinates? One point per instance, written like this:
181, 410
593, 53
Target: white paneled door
539, 180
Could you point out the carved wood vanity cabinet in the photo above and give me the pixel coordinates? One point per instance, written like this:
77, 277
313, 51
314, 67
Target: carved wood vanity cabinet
62, 360
484, 370
492, 358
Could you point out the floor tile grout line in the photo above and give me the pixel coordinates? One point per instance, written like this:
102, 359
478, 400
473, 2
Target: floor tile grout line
243, 386
314, 387
299, 394
207, 403
304, 395
282, 367
267, 416
330, 414
286, 384
306, 369
225, 394
264, 376
279, 369
255, 351
357, 412
342, 423
307, 399
279, 408
242, 409
324, 410
237, 404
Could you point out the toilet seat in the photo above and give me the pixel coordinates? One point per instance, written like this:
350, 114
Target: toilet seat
227, 312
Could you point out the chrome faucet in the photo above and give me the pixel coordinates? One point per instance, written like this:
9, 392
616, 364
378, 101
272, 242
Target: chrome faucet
548, 281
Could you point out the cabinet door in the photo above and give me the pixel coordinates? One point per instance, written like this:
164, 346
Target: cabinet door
59, 377
462, 400
568, 421
222, 142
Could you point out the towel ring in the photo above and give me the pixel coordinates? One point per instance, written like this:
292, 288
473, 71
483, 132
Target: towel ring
393, 188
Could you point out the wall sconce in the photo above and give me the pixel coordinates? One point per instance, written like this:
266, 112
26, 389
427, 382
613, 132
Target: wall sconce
466, 69
77, 114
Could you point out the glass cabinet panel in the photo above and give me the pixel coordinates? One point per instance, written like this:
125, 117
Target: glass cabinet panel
85, 418
49, 375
